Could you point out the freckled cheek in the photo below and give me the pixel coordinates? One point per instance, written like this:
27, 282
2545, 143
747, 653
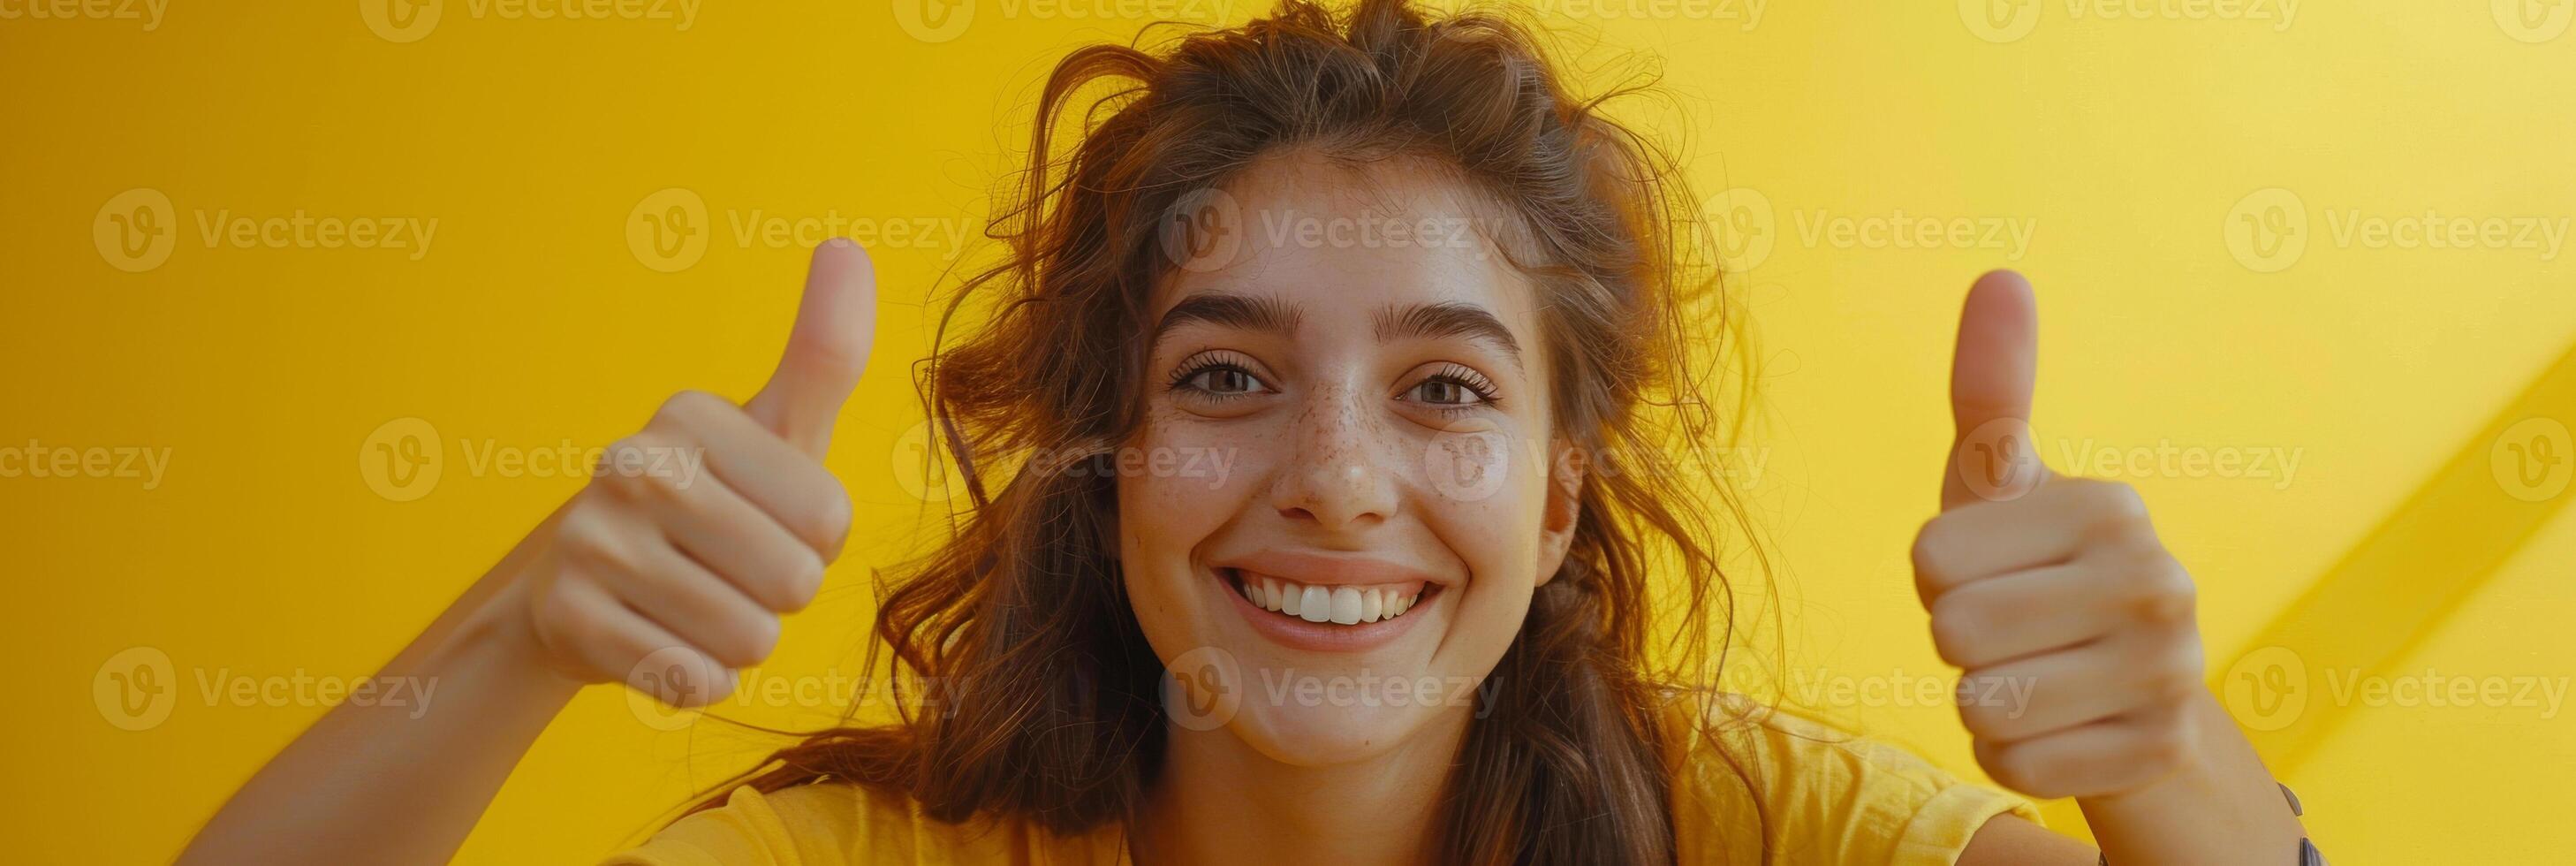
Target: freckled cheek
1178, 484
1496, 535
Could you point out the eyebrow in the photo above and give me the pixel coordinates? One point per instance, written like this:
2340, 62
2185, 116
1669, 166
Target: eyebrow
1444, 320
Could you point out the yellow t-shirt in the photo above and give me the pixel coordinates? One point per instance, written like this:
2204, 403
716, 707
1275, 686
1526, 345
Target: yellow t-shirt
1828, 798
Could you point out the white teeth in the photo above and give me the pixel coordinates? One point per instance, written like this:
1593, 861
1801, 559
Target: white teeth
1346, 606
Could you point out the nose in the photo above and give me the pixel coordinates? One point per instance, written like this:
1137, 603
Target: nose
1336, 478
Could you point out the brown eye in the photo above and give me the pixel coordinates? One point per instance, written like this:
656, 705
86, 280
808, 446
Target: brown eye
1226, 380
1217, 378
1441, 392
1452, 388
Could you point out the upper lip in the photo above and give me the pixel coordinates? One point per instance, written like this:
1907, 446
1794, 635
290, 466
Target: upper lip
1314, 568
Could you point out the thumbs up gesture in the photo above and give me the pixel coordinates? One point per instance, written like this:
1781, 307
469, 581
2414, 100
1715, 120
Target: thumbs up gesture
2073, 625
673, 581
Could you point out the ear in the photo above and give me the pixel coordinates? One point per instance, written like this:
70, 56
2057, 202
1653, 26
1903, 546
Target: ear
1564, 507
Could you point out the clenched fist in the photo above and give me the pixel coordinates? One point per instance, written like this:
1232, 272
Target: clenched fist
670, 582
2074, 626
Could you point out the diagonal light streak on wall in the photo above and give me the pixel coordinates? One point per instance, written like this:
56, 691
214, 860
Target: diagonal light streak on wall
2390, 592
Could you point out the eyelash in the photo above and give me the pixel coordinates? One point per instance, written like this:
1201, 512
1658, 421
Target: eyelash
1186, 379
1473, 382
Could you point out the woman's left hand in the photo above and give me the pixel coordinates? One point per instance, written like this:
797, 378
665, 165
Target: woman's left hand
2073, 624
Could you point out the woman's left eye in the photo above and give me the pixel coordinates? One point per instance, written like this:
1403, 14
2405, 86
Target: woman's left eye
1451, 389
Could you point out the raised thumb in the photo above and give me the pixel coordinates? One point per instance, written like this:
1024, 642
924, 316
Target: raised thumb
1992, 455
836, 324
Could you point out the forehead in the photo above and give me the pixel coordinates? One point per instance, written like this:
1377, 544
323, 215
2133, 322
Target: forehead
1335, 239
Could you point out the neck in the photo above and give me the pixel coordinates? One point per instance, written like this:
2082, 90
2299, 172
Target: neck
1217, 800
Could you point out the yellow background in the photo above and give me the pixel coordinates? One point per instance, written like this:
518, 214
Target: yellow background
2123, 141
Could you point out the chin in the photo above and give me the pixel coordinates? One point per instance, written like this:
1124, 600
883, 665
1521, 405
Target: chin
1323, 735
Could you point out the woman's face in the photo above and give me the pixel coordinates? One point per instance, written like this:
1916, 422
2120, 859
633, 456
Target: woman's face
1338, 505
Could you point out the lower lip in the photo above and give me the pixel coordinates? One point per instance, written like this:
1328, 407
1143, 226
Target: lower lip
1324, 637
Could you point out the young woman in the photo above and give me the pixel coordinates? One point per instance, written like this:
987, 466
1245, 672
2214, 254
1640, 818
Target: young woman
1438, 320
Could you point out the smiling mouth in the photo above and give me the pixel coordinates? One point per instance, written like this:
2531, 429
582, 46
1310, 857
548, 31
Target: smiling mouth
1340, 605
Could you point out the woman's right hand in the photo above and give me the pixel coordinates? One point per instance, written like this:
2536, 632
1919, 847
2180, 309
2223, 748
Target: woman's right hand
670, 570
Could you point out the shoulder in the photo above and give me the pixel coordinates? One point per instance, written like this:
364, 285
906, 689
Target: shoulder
1747, 777
837, 822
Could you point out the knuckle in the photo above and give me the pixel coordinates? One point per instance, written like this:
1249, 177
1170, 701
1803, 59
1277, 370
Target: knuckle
1929, 553
804, 579
1954, 630
828, 525
591, 537
1981, 717
2165, 595
687, 409
2011, 767
746, 643
2113, 509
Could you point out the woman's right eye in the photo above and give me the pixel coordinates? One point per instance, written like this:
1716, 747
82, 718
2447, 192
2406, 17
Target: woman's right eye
1218, 379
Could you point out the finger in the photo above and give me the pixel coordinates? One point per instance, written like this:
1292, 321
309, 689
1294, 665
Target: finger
698, 607
622, 643
826, 351
776, 479
742, 546
2105, 757
2051, 526
2002, 619
2043, 694
1992, 456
